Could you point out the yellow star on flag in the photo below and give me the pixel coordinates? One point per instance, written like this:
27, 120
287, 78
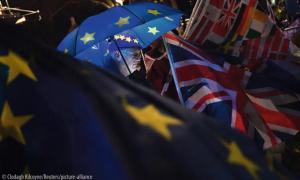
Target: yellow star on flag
150, 116
237, 157
128, 39
153, 11
88, 37
153, 30
17, 66
10, 125
122, 21
117, 37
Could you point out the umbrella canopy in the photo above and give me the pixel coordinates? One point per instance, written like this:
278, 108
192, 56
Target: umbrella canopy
131, 26
147, 21
68, 44
103, 54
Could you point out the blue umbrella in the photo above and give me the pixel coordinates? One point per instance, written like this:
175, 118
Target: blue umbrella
68, 44
143, 22
147, 21
103, 53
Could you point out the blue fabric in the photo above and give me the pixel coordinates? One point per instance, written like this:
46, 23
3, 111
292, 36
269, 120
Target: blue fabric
68, 44
104, 30
99, 55
104, 24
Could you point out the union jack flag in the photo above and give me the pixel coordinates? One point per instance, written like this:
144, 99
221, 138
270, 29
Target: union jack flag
275, 92
212, 86
280, 110
229, 13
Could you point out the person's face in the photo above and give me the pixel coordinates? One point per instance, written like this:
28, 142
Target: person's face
132, 57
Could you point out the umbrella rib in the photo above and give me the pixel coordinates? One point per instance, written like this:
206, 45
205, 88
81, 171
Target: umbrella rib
122, 56
142, 19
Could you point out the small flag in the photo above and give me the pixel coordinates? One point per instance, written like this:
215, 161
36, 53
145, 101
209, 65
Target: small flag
256, 52
223, 22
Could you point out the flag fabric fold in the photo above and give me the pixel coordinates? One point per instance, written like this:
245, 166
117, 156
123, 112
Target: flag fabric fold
274, 90
210, 85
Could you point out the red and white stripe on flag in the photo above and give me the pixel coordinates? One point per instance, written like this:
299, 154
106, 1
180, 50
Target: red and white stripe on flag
224, 82
270, 105
202, 26
256, 51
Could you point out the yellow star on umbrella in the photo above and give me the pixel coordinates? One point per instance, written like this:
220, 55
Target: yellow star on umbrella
128, 39
117, 37
136, 41
150, 116
10, 125
153, 11
88, 37
153, 30
122, 37
238, 158
16, 66
122, 21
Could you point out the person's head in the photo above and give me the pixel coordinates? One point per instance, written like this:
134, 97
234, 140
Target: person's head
128, 60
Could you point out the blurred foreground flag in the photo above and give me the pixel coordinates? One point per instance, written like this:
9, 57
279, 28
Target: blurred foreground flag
60, 116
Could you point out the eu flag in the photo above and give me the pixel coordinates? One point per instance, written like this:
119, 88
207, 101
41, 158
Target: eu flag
63, 117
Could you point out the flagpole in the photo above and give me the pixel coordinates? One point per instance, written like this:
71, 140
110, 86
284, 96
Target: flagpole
170, 57
166, 84
143, 59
